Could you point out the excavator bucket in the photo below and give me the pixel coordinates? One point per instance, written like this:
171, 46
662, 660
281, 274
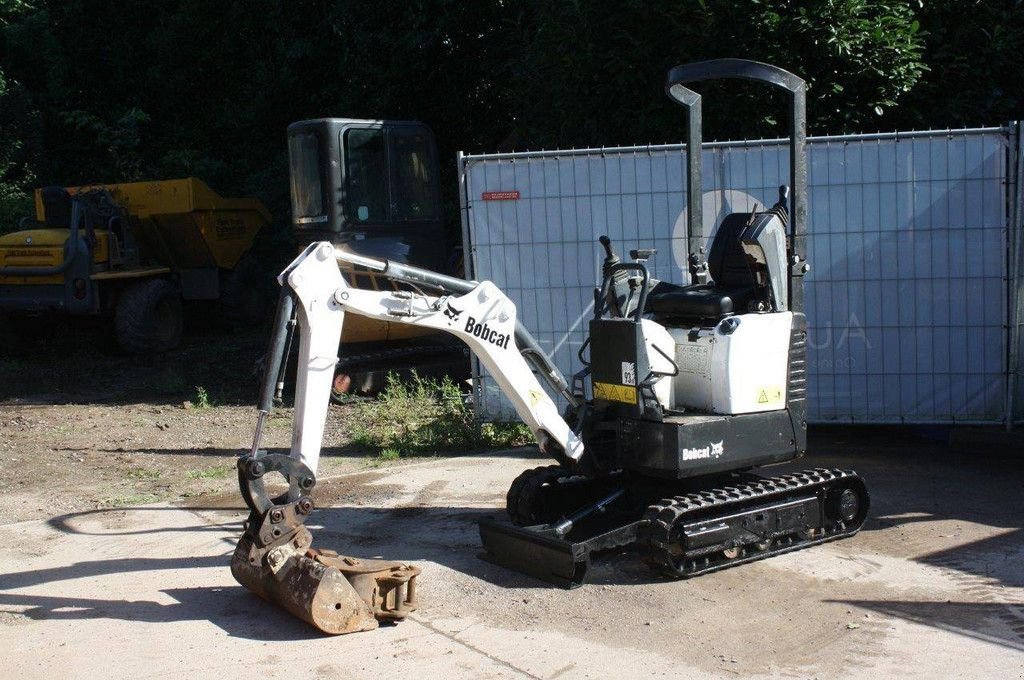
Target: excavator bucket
275, 558
317, 594
335, 594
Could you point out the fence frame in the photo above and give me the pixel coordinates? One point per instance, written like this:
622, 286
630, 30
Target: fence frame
1014, 256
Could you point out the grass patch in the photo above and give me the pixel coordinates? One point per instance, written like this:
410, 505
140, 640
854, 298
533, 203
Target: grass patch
130, 499
209, 473
389, 454
143, 473
422, 416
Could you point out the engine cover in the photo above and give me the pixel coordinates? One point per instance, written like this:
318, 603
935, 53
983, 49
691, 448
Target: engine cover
737, 366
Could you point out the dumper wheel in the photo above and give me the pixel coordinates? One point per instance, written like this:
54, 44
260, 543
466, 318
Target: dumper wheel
148, 317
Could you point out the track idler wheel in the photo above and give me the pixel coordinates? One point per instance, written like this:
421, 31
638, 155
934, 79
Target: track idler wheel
843, 504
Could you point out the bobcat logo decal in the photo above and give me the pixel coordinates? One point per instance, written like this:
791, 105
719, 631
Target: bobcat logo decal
712, 450
451, 312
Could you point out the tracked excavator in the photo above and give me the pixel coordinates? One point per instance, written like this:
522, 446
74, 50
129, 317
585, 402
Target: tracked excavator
683, 392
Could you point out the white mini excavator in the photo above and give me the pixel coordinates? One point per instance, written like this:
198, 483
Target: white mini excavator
683, 391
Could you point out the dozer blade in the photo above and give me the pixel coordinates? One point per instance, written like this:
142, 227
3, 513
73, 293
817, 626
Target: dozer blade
335, 594
534, 551
560, 558
559, 553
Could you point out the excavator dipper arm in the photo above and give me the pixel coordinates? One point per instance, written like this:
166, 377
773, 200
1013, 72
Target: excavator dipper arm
274, 557
484, 318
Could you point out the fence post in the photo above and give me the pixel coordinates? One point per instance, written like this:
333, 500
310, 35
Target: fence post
469, 272
1015, 270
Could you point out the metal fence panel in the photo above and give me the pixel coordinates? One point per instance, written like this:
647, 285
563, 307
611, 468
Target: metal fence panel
906, 300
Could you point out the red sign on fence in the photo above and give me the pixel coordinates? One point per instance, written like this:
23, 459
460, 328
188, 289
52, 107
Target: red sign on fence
500, 196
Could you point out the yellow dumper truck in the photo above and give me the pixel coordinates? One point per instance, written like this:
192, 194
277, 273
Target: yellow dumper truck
134, 251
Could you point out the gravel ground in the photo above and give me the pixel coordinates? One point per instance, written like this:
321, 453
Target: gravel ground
932, 586
119, 511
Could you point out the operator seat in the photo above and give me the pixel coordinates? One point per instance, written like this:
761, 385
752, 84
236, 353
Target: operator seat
732, 288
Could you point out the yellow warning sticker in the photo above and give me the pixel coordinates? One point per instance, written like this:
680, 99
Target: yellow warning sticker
621, 393
768, 395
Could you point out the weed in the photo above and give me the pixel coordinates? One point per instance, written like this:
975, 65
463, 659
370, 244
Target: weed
425, 416
143, 473
209, 473
130, 499
202, 399
388, 454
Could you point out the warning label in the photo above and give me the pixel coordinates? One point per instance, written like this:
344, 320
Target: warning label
769, 395
621, 393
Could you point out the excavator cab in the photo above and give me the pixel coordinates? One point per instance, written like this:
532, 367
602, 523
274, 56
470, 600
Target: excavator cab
371, 185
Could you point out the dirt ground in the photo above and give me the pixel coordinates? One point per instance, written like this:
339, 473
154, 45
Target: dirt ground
84, 427
119, 510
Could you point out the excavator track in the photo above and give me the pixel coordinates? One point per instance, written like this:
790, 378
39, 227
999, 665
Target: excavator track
706, 531
546, 494
357, 376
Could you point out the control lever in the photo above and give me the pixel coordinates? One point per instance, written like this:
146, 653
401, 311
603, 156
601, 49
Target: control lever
619, 291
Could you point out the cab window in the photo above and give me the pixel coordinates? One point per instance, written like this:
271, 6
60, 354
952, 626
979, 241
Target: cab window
306, 188
412, 162
365, 173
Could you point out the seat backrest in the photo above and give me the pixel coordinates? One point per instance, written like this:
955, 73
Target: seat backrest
727, 262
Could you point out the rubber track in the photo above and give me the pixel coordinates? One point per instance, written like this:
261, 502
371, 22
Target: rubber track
656, 540
345, 361
521, 496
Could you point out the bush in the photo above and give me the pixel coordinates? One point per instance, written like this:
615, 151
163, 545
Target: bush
425, 416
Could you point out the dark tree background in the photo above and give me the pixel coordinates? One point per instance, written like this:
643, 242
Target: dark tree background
114, 90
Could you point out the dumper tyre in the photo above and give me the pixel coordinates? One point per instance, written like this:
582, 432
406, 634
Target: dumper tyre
246, 294
148, 317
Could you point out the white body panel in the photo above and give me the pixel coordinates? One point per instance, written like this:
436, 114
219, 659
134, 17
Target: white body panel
656, 335
744, 371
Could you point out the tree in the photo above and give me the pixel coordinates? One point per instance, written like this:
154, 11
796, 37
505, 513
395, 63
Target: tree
593, 72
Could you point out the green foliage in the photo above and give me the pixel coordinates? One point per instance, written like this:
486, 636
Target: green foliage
424, 416
210, 473
96, 90
858, 57
973, 52
16, 177
202, 399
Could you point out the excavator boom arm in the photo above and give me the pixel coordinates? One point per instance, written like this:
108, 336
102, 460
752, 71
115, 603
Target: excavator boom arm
275, 557
482, 317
